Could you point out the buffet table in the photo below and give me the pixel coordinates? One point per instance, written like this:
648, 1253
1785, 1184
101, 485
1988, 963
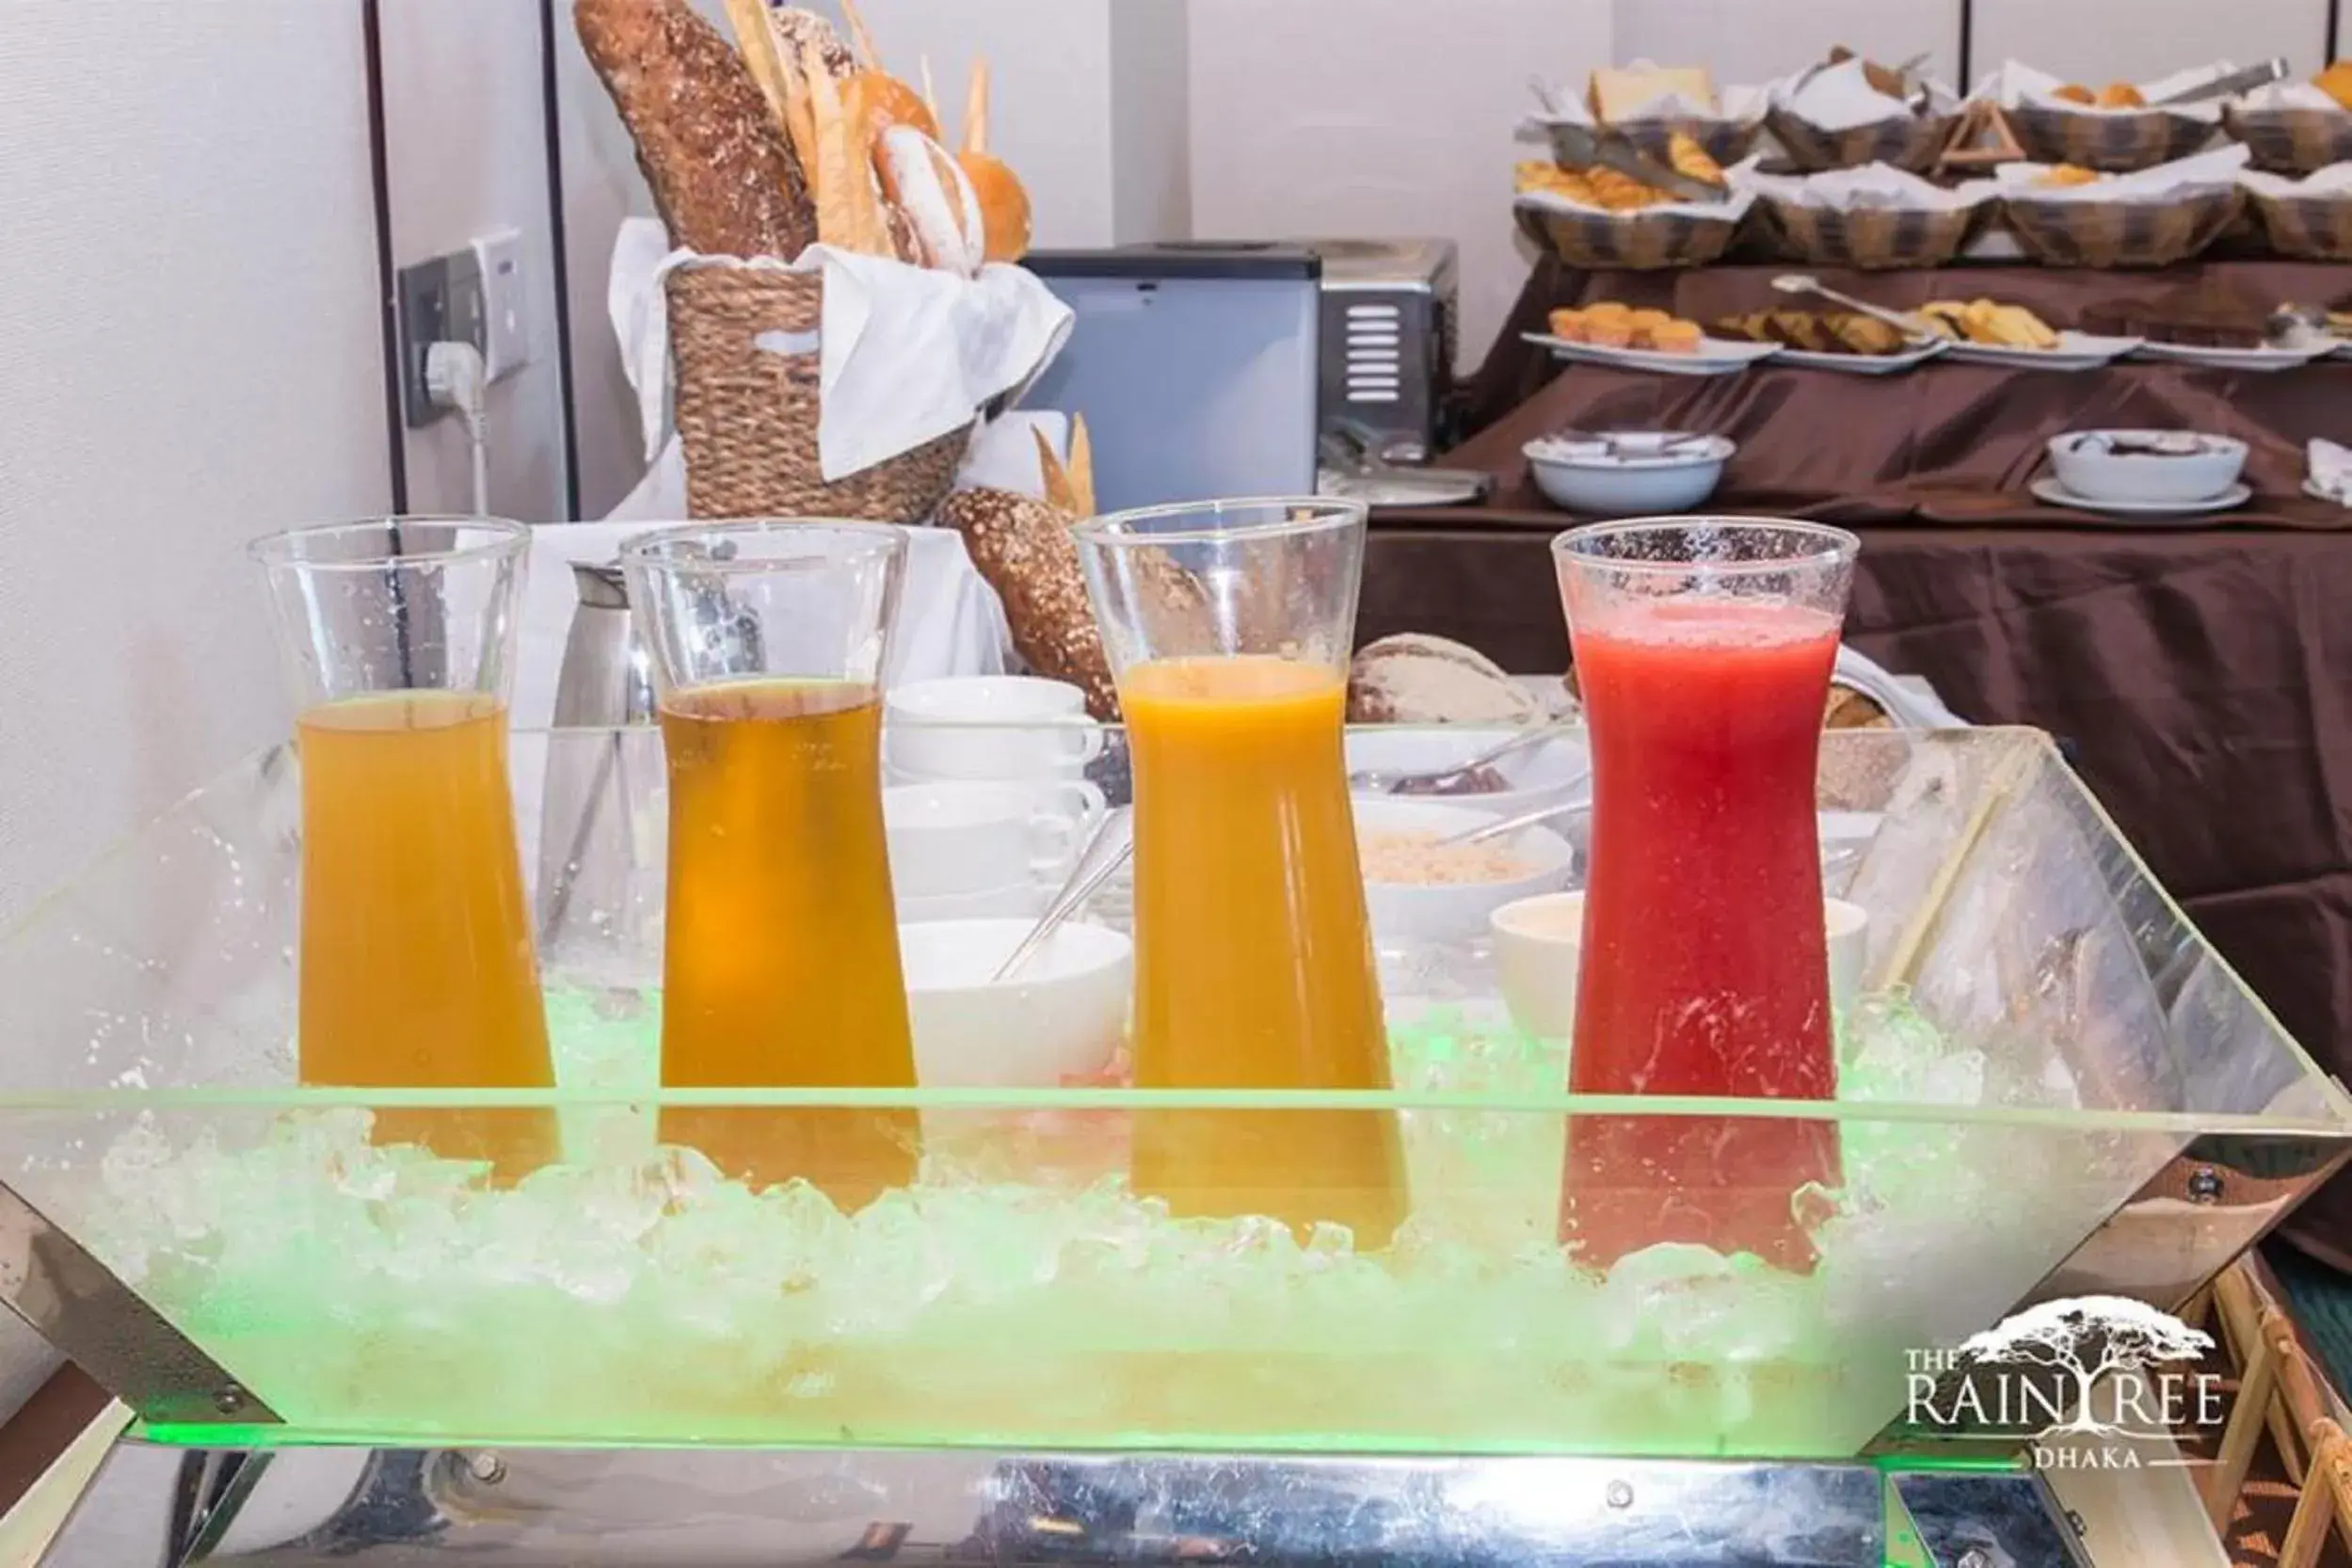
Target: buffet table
2199, 674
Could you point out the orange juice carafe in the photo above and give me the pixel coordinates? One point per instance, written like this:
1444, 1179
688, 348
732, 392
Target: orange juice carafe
1229, 628
780, 965
416, 966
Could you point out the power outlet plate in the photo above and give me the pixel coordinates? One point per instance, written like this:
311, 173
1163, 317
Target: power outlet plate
506, 304
441, 302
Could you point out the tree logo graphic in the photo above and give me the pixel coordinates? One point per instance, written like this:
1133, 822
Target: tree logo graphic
2089, 1367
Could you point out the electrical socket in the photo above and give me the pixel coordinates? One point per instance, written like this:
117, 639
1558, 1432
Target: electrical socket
441, 302
506, 304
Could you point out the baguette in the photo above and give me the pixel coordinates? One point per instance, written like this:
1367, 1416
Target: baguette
723, 178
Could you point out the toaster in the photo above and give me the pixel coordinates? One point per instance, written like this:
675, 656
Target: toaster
1390, 316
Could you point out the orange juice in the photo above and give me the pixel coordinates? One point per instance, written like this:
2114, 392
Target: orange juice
417, 966
1253, 953
782, 964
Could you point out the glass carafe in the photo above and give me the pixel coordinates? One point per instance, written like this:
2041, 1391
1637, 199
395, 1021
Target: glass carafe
1228, 627
780, 960
417, 968
1704, 650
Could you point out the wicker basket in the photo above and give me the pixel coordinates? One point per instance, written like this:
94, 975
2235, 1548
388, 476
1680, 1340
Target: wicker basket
1726, 141
2291, 141
747, 413
1634, 241
1909, 142
2307, 228
2120, 234
1874, 239
2111, 143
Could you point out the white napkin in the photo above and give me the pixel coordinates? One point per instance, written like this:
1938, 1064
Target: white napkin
2194, 175
2331, 470
1872, 185
1840, 98
2017, 83
906, 353
1739, 178
1003, 453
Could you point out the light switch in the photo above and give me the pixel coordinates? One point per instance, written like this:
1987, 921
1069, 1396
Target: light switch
506, 303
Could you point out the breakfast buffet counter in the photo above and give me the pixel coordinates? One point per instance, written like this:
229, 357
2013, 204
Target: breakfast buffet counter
2198, 672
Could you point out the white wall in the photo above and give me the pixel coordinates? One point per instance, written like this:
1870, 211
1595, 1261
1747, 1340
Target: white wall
1756, 41
465, 130
187, 278
1376, 118
2098, 41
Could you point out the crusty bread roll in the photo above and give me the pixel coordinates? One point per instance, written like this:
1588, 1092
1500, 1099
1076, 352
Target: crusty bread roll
921, 180
1413, 678
1003, 205
723, 178
884, 100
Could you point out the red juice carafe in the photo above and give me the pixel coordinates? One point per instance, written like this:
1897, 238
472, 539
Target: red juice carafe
1704, 650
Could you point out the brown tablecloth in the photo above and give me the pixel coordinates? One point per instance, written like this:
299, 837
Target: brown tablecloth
2199, 677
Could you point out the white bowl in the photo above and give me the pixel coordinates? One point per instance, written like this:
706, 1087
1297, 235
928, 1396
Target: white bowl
1540, 941
1418, 912
1632, 478
1063, 1015
1536, 776
2203, 468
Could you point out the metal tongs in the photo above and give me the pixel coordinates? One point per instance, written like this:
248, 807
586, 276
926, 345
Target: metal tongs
2227, 86
1915, 326
1576, 144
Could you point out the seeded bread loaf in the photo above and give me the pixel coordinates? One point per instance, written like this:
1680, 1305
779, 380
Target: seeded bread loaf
723, 177
1413, 678
1023, 548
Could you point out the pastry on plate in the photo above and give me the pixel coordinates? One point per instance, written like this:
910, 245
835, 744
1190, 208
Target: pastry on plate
1612, 324
1982, 321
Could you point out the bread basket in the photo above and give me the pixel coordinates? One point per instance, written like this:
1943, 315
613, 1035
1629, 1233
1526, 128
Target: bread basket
1646, 240
2291, 140
742, 348
2114, 143
1726, 141
1909, 142
2307, 228
1873, 239
2121, 233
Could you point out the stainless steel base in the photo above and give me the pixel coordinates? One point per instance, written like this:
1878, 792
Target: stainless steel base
689, 1509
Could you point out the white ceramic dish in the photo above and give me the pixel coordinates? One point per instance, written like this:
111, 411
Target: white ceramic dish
2311, 488
952, 838
1415, 913
1713, 355
1631, 474
1012, 901
2265, 359
1863, 365
1538, 776
2056, 494
2193, 468
2076, 351
1064, 1014
987, 727
1540, 941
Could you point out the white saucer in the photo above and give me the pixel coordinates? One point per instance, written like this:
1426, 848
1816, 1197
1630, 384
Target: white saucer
1865, 364
2058, 495
2311, 488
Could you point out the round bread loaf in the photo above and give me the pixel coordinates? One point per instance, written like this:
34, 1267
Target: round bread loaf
1414, 678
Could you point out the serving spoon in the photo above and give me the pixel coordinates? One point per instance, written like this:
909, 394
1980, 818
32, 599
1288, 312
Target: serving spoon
1915, 326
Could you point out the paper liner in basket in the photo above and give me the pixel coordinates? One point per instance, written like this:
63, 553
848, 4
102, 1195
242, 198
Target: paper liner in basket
2308, 219
907, 354
1832, 118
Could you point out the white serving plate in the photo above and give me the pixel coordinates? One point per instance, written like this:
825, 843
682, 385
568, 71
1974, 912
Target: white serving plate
1863, 365
2056, 494
1714, 357
2076, 351
2232, 359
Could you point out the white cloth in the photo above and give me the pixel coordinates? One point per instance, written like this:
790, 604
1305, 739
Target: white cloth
2331, 470
950, 622
906, 354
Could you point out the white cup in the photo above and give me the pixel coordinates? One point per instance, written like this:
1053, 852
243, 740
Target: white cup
1538, 943
988, 726
955, 838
